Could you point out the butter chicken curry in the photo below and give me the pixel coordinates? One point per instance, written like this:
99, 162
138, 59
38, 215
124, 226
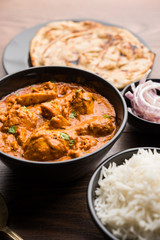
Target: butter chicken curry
55, 122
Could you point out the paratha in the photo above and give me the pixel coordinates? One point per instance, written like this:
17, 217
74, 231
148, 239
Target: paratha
113, 53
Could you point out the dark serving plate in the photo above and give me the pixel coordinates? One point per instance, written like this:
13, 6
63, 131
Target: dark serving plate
119, 159
140, 124
16, 54
77, 167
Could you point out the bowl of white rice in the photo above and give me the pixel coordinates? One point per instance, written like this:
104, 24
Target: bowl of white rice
124, 195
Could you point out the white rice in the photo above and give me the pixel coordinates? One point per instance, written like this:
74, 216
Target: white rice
128, 197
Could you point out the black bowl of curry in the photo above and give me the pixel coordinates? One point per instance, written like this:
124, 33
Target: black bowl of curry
58, 121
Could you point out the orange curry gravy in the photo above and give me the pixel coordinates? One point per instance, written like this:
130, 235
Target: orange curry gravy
54, 122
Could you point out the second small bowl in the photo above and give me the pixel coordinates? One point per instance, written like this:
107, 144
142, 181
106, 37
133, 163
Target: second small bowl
140, 124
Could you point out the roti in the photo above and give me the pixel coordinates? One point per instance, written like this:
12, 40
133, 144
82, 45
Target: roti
111, 52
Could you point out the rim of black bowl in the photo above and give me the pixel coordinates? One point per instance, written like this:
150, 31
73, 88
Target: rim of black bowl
92, 181
129, 112
116, 136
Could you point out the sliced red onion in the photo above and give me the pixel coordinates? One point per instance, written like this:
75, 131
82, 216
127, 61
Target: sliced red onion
145, 101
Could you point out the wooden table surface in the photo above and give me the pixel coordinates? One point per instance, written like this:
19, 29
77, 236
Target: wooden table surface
41, 210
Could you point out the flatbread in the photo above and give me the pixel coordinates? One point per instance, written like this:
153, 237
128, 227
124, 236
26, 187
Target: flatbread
54, 31
111, 52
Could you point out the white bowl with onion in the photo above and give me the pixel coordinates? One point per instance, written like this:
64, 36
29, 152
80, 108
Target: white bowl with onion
143, 102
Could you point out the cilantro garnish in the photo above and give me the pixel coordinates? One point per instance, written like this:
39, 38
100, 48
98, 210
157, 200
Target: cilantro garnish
78, 90
106, 116
71, 142
12, 129
73, 114
64, 136
25, 108
67, 138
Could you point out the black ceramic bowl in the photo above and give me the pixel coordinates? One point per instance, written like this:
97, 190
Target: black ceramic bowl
140, 124
74, 168
118, 158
